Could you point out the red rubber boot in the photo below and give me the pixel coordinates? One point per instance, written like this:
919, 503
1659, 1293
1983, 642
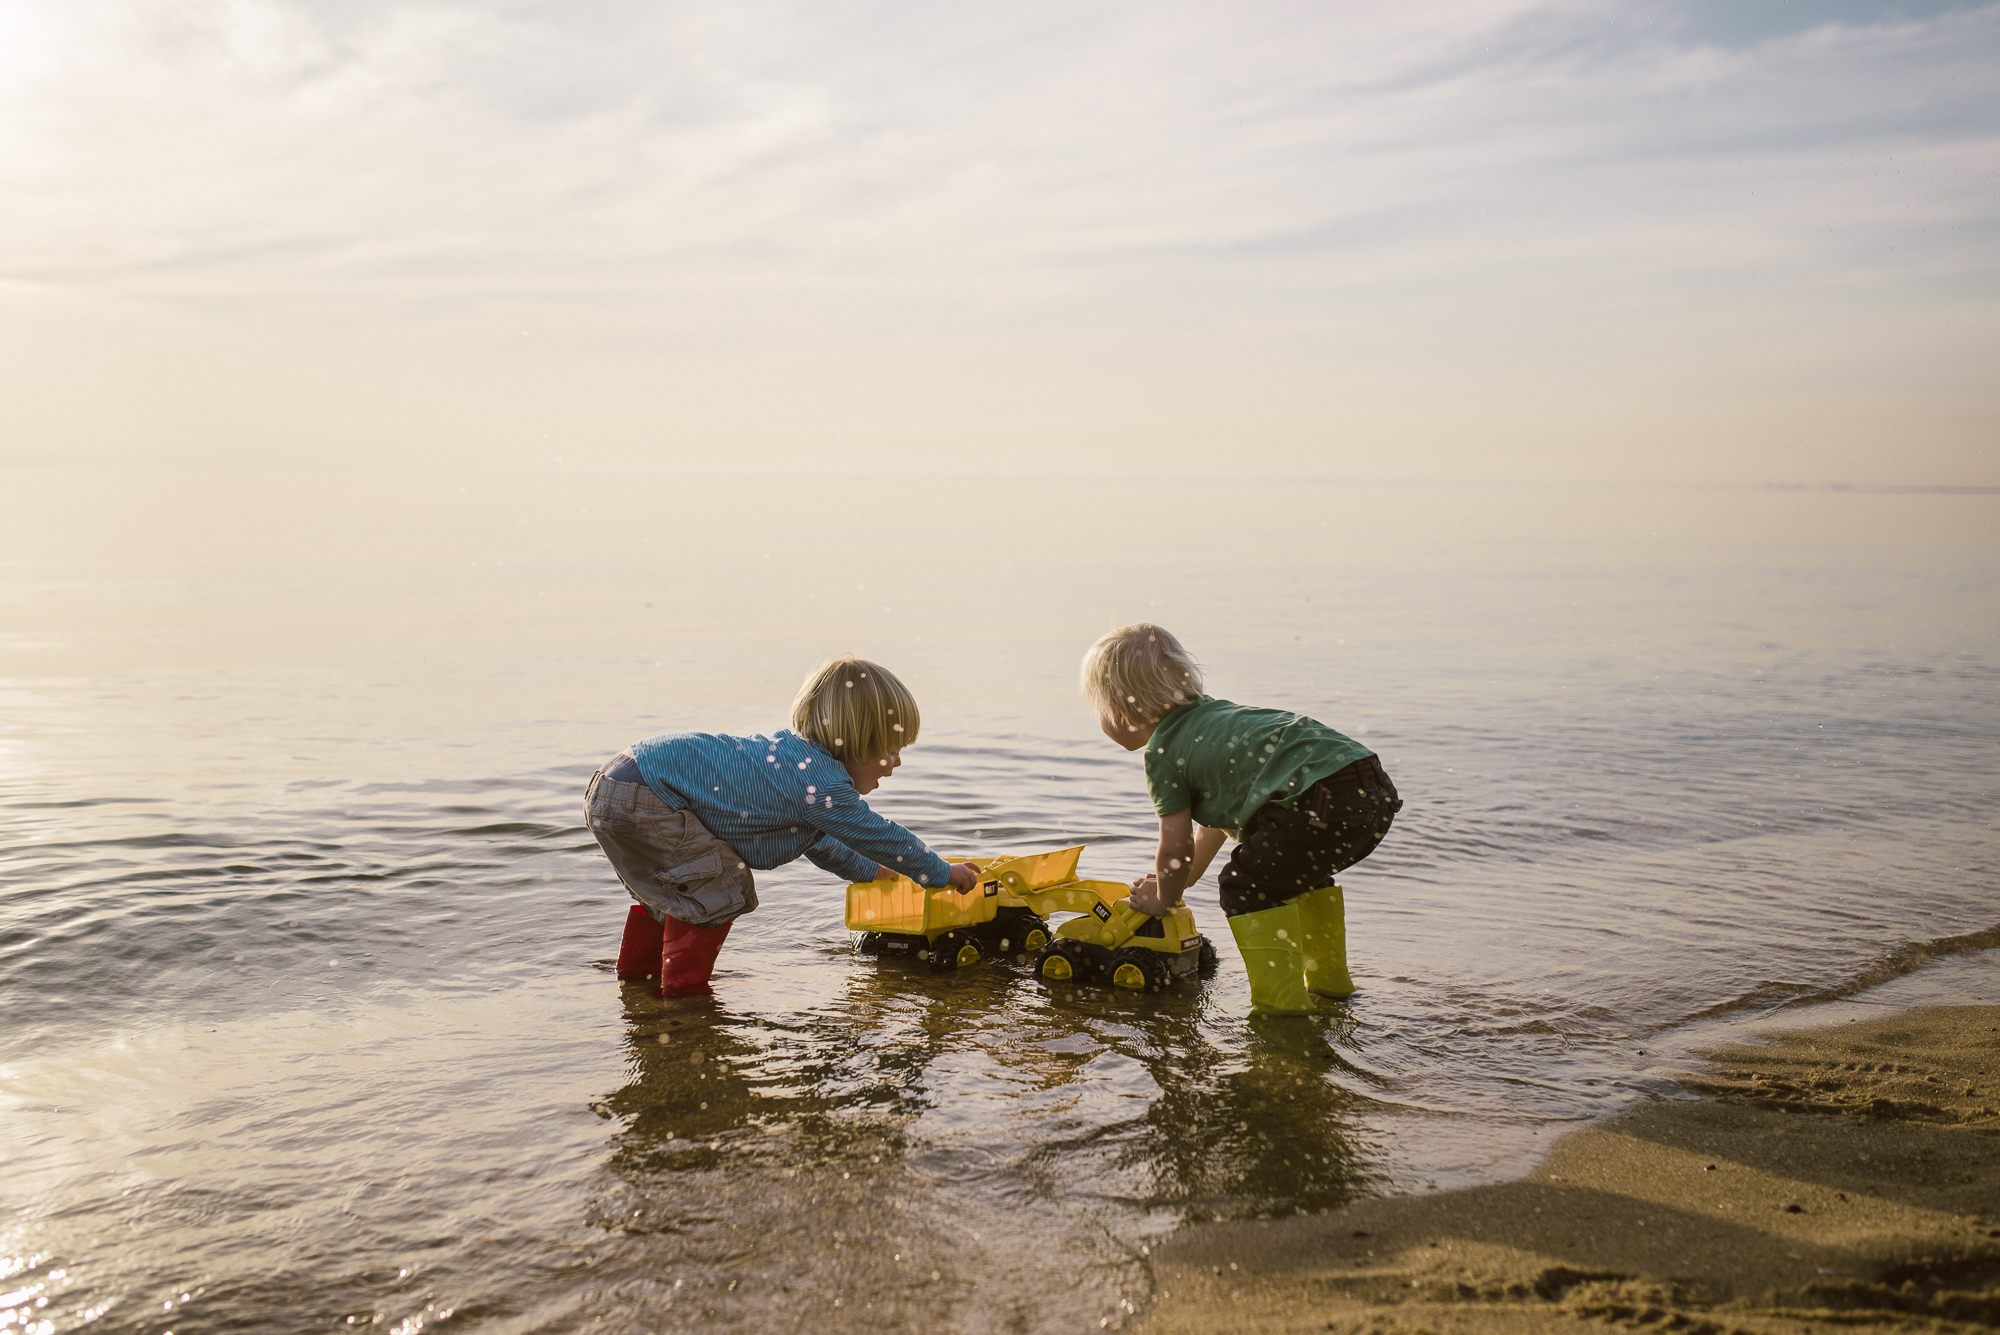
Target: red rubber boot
688, 958
639, 952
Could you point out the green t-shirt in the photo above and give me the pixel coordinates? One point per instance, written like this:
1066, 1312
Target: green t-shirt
1228, 761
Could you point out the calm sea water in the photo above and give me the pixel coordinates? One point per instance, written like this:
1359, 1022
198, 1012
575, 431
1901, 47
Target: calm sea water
308, 1013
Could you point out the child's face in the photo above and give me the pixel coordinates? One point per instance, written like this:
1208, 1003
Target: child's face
1126, 733
868, 774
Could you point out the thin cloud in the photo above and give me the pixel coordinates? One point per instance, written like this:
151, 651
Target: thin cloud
229, 141
1414, 183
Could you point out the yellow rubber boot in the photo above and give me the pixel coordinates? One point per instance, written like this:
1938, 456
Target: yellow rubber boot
1269, 941
1323, 933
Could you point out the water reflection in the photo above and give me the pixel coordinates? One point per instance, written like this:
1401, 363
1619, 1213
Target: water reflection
905, 1058
919, 1132
1268, 1129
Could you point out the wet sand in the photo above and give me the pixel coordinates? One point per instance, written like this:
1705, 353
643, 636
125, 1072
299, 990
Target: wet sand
1843, 1179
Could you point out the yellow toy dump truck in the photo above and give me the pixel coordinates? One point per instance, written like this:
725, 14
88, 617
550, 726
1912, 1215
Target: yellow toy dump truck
1006, 915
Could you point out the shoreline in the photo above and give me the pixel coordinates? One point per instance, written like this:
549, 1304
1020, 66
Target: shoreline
1844, 1177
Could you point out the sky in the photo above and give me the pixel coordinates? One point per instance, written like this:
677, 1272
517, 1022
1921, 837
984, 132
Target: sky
1701, 242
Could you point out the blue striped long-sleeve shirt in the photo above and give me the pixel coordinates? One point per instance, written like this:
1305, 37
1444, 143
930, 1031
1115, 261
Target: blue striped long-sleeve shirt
775, 798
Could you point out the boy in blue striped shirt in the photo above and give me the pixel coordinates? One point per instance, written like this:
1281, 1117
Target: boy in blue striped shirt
685, 817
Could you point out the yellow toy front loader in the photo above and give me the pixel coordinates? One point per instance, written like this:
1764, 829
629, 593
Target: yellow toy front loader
1006, 915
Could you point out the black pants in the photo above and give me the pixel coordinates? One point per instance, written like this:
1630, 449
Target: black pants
1287, 851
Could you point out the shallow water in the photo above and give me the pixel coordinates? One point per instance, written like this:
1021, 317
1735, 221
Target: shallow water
306, 954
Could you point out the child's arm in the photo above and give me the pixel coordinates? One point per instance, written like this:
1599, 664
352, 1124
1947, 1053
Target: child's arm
855, 830
964, 875
1207, 843
1185, 851
829, 854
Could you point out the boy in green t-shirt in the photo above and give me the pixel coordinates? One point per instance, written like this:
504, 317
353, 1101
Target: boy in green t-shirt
1303, 800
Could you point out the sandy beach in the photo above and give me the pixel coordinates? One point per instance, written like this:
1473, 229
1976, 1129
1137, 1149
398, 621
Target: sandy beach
1846, 1178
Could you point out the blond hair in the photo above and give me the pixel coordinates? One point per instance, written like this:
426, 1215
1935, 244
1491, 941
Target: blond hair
855, 709
1138, 673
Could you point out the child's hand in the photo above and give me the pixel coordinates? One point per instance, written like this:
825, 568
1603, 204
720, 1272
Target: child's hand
964, 875
1146, 895
883, 873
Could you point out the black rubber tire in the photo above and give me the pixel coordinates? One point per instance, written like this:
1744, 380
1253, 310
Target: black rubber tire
945, 950
1157, 973
1207, 961
865, 943
1012, 936
1082, 963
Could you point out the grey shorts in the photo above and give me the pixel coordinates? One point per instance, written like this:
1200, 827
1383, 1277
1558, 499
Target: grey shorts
667, 858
